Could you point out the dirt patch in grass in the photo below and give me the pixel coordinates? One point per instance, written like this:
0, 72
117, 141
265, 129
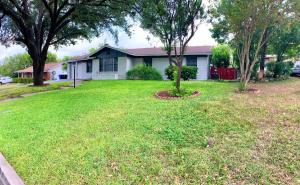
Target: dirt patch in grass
286, 87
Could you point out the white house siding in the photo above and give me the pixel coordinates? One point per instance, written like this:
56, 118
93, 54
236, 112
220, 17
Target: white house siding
203, 68
56, 71
124, 64
129, 63
160, 64
80, 71
137, 61
122, 67
97, 75
202, 63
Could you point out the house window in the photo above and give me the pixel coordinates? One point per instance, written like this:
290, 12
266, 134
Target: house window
89, 67
108, 64
191, 61
148, 61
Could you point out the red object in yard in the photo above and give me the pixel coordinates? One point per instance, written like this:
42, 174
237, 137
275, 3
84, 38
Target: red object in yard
224, 73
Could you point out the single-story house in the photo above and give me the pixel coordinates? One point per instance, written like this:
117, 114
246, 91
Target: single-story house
113, 63
52, 71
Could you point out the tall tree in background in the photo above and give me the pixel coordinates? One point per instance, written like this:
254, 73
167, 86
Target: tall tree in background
286, 40
174, 22
221, 33
39, 24
248, 21
14, 63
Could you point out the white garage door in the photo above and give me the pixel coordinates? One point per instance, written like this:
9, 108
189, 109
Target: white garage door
203, 68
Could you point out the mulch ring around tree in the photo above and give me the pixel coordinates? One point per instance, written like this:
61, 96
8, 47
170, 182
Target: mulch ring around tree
165, 95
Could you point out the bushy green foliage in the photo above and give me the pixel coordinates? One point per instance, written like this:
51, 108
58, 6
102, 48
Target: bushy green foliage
254, 73
14, 63
182, 92
221, 55
22, 80
142, 72
187, 73
279, 70
286, 40
169, 72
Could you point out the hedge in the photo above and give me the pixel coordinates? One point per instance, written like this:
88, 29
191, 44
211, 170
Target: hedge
187, 73
142, 72
22, 80
279, 70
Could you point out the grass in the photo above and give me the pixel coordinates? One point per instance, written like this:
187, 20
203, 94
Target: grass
116, 132
16, 90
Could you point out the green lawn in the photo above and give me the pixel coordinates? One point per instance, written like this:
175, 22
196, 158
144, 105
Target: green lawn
14, 90
116, 132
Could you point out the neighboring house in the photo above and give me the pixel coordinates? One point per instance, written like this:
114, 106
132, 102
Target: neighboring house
52, 71
113, 63
270, 58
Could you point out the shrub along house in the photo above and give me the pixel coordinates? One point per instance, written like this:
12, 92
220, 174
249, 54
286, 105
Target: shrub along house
113, 63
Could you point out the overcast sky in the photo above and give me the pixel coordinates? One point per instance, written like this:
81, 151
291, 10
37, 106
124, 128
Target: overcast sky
138, 39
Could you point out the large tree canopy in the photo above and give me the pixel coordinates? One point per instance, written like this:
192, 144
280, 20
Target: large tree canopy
38, 24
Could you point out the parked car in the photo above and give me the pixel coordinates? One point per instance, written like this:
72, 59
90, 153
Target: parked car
296, 68
5, 80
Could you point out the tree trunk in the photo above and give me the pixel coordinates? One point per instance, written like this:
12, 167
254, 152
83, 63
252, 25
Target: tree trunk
262, 57
245, 75
243, 83
170, 58
179, 66
279, 57
39, 60
38, 74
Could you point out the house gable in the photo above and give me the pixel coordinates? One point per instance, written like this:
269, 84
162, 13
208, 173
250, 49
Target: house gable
107, 52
